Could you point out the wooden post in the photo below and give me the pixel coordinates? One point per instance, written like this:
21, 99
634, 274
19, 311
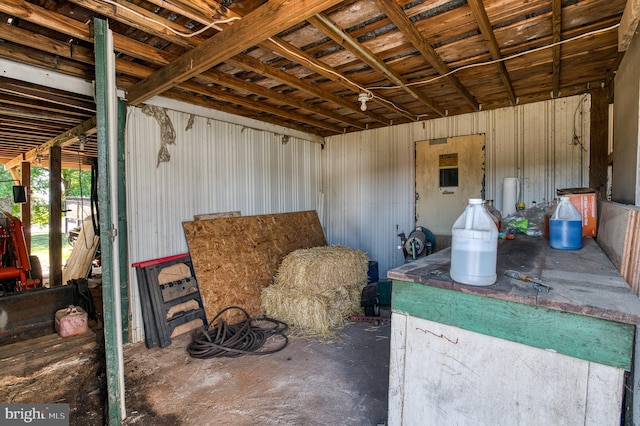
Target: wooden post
25, 179
599, 146
55, 216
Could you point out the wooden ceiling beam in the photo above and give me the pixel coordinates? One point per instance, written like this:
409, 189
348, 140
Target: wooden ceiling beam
249, 63
628, 24
201, 12
40, 59
226, 80
38, 41
294, 54
45, 18
556, 23
142, 72
65, 104
67, 138
198, 10
150, 54
480, 14
400, 19
31, 114
238, 110
268, 20
35, 104
141, 19
258, 106
338, 35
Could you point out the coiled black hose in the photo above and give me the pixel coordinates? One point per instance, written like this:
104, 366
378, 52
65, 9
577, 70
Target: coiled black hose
245, 338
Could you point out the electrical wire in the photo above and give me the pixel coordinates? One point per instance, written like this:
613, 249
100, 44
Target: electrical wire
355, 84
575, 140
163, 25
231, 341
506, 58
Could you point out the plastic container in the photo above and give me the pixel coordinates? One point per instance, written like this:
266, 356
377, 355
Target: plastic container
474, 246
494, 213
372, 273
71, 321
565, 226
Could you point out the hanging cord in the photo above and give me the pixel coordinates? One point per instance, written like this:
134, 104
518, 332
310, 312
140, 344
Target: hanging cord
95, 213
245, 338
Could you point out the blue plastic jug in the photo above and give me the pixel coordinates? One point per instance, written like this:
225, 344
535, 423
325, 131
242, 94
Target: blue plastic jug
565, 226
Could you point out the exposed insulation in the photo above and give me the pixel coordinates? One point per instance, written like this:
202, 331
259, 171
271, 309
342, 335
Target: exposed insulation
167, 132
235, 258
317, 289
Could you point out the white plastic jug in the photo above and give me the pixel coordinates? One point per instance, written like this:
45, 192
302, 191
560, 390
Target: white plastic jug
510, 194
474, 246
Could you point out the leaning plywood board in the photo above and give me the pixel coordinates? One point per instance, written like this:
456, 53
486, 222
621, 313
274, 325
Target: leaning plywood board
619, 237
235, 258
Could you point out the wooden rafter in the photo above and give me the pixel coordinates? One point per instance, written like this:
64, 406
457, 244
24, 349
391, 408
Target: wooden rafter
482, 19
556, 14
285, 49
404, 24
628, 24
201, 13
153, 55
338, 35
69, 137
292, 74
144, 72
266, 21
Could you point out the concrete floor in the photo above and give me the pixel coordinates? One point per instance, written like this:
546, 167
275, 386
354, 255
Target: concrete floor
341, 381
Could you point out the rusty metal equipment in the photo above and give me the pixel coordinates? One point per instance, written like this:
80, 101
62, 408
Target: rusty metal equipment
18, 271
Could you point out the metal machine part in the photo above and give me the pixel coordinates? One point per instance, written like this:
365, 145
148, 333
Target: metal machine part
420, 243
16, 270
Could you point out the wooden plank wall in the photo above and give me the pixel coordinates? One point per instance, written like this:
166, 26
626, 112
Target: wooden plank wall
235, 258
619, 238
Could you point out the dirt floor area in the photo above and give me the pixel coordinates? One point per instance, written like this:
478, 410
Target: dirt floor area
48, 369
313, 381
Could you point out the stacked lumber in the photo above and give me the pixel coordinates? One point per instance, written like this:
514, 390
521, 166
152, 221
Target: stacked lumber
619, 238
84, 251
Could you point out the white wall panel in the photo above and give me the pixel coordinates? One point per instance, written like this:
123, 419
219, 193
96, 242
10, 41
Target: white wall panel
369, 175
214, 167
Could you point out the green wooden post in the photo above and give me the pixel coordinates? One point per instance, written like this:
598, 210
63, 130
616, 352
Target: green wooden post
122, 222
106, 245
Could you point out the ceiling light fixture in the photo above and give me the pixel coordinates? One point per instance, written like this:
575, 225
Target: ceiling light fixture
363, 98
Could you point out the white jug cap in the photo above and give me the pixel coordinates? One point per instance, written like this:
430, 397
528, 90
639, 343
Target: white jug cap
475, 200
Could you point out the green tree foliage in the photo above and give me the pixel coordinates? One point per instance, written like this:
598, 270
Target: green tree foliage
6, 190
75, 183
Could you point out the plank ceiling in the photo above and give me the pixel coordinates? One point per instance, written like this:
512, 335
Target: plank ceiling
304, 64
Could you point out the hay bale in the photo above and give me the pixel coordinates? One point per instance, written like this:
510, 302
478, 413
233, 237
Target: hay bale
317, 289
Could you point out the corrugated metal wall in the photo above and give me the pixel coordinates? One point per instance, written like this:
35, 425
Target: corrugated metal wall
369, 175
214, 167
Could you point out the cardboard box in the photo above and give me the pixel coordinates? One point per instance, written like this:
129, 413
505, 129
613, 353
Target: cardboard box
584, 199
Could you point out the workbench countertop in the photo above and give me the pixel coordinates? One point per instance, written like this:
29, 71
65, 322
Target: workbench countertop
582, 281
